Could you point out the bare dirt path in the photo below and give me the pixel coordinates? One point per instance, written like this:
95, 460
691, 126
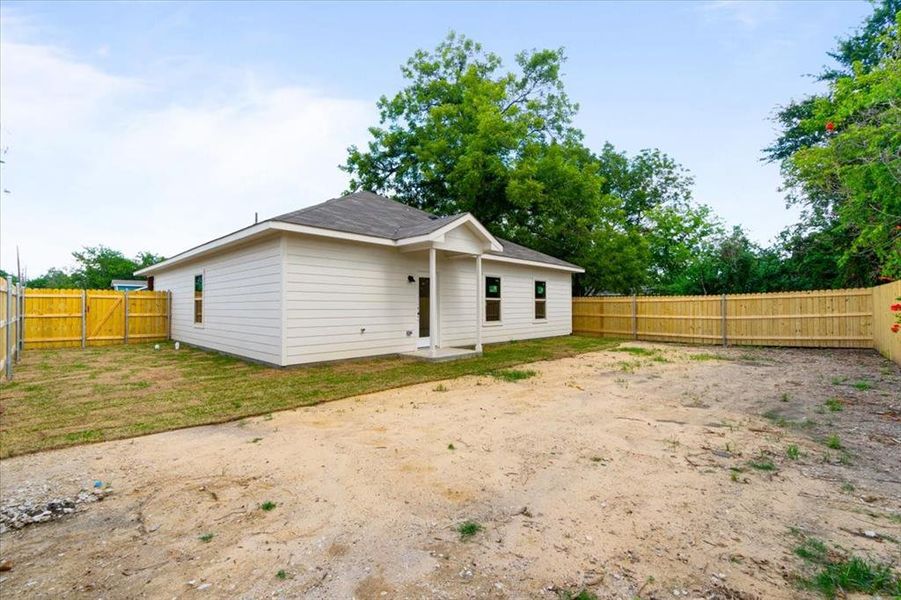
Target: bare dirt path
608, 471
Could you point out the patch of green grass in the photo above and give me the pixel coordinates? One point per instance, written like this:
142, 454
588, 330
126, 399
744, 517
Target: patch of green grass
793, 452
834, 574
468, 529
834, 404
636, 351
862, 385
847, 487
812, 550
706, 356
268, 506
834, 442
785, 397
54, 396
440, 388
839, 380
513, 375
281, 574
206, 537
762, 464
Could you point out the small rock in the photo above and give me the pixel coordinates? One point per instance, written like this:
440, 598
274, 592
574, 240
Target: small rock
6, 565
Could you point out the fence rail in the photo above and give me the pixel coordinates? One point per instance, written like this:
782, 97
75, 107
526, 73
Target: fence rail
60, 318
850, 318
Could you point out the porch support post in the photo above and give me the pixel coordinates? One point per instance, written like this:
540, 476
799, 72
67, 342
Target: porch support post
479, 303
433, 299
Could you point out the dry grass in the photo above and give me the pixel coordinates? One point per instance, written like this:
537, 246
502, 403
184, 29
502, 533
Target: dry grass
66, 397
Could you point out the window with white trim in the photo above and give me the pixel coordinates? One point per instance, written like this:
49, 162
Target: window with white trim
492, 299
198, 299
541, 300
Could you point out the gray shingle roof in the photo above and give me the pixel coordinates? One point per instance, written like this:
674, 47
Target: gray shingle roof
369, 214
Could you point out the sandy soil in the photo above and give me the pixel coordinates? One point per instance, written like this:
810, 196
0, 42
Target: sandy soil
605, 471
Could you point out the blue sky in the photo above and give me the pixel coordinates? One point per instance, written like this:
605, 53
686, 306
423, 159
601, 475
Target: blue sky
158, 126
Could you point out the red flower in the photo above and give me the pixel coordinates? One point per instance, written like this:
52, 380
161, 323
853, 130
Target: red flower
896, 307
896, 327
830, 126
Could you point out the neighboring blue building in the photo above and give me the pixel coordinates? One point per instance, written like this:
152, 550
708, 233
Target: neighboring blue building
128, 285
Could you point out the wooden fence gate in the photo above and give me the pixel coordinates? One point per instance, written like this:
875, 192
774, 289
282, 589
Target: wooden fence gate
79, 318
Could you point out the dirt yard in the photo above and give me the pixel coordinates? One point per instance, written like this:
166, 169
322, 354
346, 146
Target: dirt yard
658, 473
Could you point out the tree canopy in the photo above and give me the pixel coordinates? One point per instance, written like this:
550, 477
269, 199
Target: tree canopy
465, 135
95, 268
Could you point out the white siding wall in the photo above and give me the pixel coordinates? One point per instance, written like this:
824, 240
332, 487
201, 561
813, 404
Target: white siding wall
241, 301
457, 283
333, 289
336, 288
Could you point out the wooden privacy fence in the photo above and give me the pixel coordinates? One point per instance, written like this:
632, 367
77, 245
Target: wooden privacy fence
81, 318
851, 318
11, 321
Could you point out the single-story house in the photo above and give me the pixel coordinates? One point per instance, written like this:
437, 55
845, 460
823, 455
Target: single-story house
128, 285
362, 275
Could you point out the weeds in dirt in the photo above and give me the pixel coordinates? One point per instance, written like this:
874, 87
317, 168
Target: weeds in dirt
206, 537
839, 380
513, 375
706, 356
762, 464
862, 385
256, 440
834, 442
793, 452
268, 506
834, 404
636, 351
847, 487
451, 447
440, 388
785, 397
629, 366
468, 529
281, 574
833, 573
673, 443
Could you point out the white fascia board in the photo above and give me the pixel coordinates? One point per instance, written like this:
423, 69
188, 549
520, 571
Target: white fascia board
438, 234
532, 263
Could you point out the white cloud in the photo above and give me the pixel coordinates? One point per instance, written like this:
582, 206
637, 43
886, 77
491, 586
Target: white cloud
92, 159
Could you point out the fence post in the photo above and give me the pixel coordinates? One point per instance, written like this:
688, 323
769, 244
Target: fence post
723, 312
6, 322
84, 320
634, 317
169, 315
126, 318
21, 328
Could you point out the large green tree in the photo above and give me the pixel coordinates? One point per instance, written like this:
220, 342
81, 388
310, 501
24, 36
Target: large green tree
465, 135
840, 155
